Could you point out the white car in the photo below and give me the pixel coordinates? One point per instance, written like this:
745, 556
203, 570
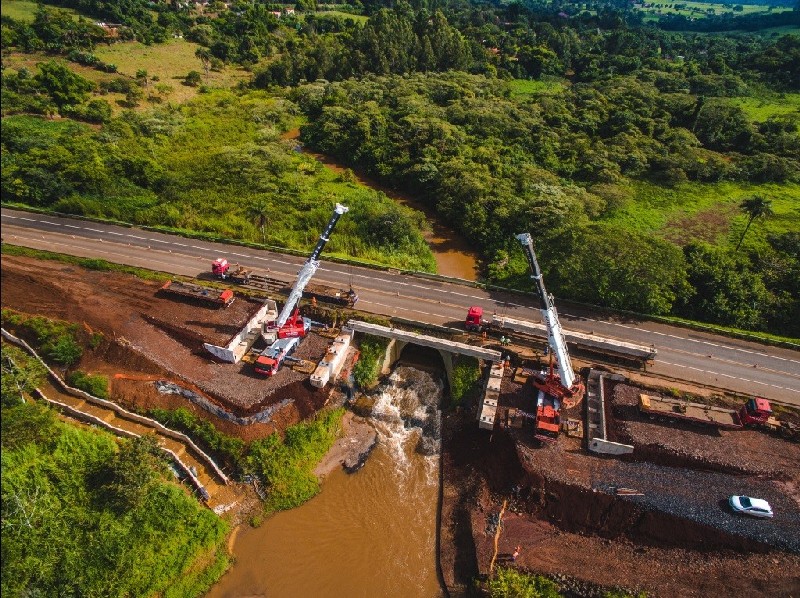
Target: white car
757, 507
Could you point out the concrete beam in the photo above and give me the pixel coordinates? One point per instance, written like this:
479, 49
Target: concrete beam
426, 341
593, 341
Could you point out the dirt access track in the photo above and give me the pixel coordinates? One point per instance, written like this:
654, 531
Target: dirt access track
675, 538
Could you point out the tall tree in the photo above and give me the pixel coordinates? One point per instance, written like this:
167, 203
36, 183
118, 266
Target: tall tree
259, 212
757, 206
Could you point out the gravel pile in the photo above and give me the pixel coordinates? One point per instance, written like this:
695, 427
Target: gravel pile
701, 497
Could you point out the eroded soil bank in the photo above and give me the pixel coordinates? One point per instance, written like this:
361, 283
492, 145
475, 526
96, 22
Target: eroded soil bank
675, 537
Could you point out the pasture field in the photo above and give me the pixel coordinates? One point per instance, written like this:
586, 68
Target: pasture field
688, 8
759, 109
523, 88
707, 212
345, 15
20, 10
170, 62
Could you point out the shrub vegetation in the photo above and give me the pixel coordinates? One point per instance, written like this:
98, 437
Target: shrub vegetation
85, 514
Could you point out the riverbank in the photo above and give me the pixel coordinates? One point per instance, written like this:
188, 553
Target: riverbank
352, 447
454, 256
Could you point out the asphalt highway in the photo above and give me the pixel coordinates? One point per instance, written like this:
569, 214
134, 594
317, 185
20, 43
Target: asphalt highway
712, 360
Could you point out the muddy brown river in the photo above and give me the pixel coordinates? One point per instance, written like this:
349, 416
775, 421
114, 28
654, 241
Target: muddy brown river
371, 533
453, 255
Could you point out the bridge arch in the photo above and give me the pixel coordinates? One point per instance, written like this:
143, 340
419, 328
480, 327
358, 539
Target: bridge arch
398, 339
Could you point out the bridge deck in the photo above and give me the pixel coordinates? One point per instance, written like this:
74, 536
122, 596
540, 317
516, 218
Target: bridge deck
425, 340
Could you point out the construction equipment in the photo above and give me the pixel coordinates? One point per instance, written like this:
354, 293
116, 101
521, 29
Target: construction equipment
285, 332
555, 390
213, 297
321, 292
238, 274
755, 413
475, 321
289, 322
270, 360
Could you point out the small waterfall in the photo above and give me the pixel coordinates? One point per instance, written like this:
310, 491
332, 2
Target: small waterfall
407, 416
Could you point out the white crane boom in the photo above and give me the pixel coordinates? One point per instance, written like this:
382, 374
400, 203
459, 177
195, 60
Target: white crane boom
309, 268
555, 335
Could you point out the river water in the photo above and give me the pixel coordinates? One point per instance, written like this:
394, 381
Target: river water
371, 533
454, 256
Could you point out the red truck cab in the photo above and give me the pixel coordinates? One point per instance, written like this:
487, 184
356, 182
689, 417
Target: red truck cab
755, 411
475, 321
219, 267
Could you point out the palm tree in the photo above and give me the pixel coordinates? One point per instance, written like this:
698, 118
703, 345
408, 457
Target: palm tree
755, 207
259, 212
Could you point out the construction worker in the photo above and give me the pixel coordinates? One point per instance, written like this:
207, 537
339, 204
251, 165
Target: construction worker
313, 301
516, 552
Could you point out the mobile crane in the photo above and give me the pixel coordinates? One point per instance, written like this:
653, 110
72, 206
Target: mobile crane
289, 324
554, 389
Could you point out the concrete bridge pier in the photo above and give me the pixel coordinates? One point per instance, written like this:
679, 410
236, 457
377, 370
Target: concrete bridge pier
395, 349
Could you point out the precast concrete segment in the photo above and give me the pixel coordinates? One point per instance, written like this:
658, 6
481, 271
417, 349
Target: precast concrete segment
425, 340
612, 345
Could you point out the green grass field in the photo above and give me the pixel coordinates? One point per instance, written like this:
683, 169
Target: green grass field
345, 15
170, 61
24, 10
659, 8
760, 109
521, 88
708, 212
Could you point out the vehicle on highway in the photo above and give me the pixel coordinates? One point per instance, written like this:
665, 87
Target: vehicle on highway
757, 507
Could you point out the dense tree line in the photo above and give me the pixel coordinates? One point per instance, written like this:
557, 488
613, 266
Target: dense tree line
556, 166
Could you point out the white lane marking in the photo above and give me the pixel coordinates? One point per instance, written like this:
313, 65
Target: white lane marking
71, 226
110, 253
506, 304
137, 237
711, 373
682, 338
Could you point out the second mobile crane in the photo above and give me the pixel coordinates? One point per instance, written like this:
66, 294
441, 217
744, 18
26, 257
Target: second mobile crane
284, 334
558, 389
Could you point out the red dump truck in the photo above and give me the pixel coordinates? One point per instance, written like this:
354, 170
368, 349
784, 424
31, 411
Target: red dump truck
755, 412
213, 297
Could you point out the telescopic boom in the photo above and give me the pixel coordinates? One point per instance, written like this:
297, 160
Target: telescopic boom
555, 335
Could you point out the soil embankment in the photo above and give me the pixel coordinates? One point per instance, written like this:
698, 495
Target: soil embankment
673, 537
